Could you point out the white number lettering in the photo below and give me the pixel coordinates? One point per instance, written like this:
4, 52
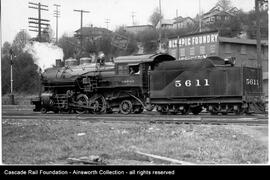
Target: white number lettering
178, 83
206, 82
188, 83
254, 82
198, 82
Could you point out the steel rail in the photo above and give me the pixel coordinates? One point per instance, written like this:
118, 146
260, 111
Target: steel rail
145, 119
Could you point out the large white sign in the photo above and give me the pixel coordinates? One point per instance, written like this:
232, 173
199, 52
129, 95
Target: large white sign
194, 40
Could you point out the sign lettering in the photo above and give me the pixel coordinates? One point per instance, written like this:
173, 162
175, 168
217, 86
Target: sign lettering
194, 40
253, 82
189, 83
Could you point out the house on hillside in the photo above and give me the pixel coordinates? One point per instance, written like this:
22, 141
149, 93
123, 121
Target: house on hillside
218, 13
91, 33
138, 28
165, 24
181, 22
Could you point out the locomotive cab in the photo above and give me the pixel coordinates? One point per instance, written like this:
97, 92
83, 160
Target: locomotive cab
136, 68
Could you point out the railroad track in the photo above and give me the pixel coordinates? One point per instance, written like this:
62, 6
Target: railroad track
147, 118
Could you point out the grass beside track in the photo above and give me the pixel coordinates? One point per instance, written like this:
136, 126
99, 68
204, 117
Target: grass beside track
49, 142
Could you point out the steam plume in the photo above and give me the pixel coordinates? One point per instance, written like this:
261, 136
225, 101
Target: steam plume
44, 54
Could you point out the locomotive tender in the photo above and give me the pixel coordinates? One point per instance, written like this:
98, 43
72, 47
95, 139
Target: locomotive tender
133, 83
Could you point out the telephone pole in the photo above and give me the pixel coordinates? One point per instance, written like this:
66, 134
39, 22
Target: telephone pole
57, 15
258, 4
200, 17
133, 15
38, 20
160, 21
177, 50
12, 102
258, 31
81, 35
107, 21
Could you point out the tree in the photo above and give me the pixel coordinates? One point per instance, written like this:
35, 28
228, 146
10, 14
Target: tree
225, 4
19, 42
69, 45
25, 74
155, 17
248, 23
99, 43
26, 77
6, 48
251, 24
47, 34
149, 40
132, 43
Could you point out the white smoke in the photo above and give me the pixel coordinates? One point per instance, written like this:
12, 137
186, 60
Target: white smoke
44, 54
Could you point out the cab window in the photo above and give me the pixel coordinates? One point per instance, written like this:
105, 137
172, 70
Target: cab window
134, 70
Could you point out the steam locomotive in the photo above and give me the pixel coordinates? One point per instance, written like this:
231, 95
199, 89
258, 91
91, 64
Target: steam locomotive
132, 84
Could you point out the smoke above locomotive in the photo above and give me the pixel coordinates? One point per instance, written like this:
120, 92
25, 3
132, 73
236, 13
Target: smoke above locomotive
44, 54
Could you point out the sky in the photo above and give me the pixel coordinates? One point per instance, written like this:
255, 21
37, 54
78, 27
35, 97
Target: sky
15, 13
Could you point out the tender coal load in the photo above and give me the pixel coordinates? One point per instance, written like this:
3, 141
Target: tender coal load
191, 64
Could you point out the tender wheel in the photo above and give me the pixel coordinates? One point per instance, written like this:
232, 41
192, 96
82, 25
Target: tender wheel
239, 110
196, 110
214, 110
56, 111
43, 110
138, 110
126, 107
82, 100
185, 111
149, 107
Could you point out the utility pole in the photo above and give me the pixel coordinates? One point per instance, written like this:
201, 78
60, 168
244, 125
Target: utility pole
177, 50
200, 17
160, 21
38, 20
258, 31
107, 21
57, 15
133, 15
81, 35
12, 102
176, 19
